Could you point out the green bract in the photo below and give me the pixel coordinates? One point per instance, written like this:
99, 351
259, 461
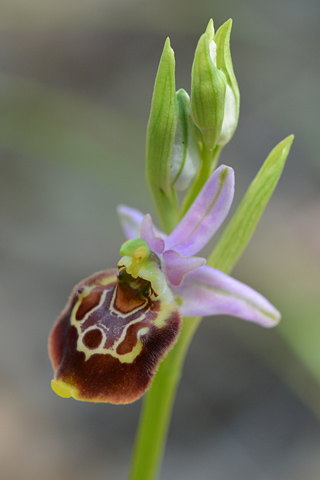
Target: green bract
160, 136
243, 223
232, 100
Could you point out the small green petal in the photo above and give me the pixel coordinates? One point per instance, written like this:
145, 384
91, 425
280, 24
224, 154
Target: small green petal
242, 225
224, 64
140, 263
130, 247
224, 61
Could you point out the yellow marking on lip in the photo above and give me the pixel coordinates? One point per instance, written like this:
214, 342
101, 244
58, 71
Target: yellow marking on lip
73, 320
106, 280
130, 356
164, 313
168, 306
124, 358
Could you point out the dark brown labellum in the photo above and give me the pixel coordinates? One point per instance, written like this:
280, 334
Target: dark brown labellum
108, 341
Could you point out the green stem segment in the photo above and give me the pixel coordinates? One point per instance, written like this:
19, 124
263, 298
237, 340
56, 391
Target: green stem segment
157, 408
158, 402
209, 162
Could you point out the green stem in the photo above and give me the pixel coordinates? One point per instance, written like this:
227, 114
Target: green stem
157, 408
209, 162
166, 207
158, 403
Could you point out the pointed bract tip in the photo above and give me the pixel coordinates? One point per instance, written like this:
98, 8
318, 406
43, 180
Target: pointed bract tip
281, 150
226, 27
287, 142
289, 139
210, 28
167, 46
228, 23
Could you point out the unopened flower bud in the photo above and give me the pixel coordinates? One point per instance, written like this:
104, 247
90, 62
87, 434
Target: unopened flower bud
185, 158
160, 136
208, 90
162, 123
214, 89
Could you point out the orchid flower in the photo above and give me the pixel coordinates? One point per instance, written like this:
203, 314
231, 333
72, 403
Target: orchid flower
201, 290
118, 324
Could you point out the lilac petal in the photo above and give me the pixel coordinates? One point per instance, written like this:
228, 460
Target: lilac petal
177, 266
208, 291
130, 220
155, 243
205, 215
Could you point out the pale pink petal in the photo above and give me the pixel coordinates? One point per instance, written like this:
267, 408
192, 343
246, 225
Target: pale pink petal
205, 215
130, 220
156, 244
177, 266
207, 291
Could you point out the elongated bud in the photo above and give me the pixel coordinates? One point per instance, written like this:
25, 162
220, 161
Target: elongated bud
161, 132
208, 90
186, 157
232, 98
215, 94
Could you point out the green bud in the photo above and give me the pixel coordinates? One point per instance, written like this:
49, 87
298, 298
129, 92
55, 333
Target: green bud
162, 123
208, 90
232, 98
186, 158
161, 134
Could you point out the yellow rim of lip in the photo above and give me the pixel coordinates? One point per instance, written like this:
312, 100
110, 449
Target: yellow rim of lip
63, 389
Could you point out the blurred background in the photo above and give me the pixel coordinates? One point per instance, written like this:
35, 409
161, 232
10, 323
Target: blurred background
76, 81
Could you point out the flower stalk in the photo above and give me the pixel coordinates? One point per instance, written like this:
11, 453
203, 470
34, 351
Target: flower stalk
157, 408
210, 160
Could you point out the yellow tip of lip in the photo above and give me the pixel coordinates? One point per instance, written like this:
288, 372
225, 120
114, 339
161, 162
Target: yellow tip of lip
62, 389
